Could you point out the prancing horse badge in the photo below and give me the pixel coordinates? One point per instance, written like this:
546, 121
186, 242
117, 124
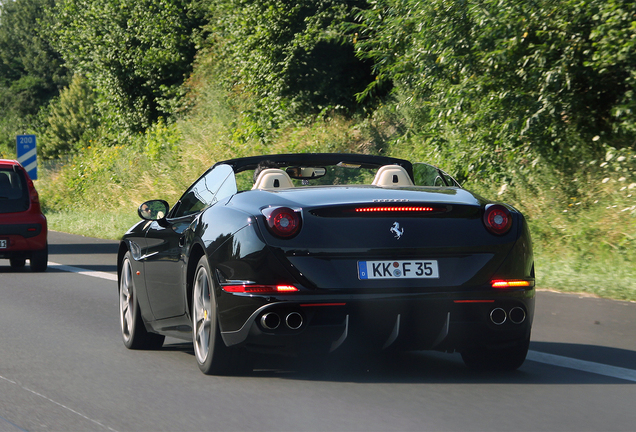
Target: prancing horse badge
395, 229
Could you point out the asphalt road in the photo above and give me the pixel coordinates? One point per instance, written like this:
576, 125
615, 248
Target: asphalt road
63, 367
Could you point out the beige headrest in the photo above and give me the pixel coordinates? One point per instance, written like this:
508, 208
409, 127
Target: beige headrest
273, 178
392, 175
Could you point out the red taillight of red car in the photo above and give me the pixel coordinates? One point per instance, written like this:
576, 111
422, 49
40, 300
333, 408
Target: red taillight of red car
497, 219
260, 289
33, 194
35, 198
282, 221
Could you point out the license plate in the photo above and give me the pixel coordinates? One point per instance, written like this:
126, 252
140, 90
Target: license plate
408, 269
4, 244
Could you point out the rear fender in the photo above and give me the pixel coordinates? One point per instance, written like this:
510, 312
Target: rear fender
519, 264
244, 257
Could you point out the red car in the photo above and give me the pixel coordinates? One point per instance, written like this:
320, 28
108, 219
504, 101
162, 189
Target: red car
23, 229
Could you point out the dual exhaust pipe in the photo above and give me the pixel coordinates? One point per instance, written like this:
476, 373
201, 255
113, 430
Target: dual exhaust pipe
498, 316
294, 320
271, 320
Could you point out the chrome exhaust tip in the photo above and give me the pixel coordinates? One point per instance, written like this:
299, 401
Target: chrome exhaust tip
498, 316
270, 321
294, 320
517, 315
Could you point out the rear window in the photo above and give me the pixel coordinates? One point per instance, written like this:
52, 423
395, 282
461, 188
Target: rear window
14, 194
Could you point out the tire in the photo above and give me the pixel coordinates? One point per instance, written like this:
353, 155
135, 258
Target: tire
17, 263
40, 259
212, 355
507, 358
133, 330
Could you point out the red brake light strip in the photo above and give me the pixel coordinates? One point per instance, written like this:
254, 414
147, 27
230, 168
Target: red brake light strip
395, 209
260, 289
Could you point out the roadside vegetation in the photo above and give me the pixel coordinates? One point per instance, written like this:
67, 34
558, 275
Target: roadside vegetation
528, 103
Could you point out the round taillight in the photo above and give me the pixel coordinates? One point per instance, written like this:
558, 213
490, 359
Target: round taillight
497, 219
282, 221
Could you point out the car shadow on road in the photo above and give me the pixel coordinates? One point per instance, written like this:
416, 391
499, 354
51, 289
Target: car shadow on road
89, 267
53, 269
615, 357
432, 367
83, 248
6, 268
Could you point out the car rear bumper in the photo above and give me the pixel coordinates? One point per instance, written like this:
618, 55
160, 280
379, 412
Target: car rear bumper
405, 322
24, 237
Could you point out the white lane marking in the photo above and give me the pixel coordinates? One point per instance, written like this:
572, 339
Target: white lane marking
57, 403
79, 270
582, 365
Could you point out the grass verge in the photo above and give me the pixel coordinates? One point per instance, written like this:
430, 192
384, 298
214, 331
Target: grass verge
102, 225
611, 277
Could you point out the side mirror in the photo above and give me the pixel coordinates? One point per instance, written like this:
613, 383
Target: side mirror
153, 210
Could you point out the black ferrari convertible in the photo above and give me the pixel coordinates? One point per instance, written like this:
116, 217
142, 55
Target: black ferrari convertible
313, 253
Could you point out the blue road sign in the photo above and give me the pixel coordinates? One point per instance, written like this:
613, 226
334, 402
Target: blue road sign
27, 154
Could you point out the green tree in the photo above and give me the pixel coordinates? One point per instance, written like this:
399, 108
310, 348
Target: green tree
135, 53
512, 77
31, 71
289, 55
72, 120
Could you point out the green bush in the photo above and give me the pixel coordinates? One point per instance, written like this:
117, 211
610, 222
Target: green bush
135, 53
515, 78
72, 120
289, 56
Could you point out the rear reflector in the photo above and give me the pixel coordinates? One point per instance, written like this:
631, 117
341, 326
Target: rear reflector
473, 301
510, 283
322, 304
260, 289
